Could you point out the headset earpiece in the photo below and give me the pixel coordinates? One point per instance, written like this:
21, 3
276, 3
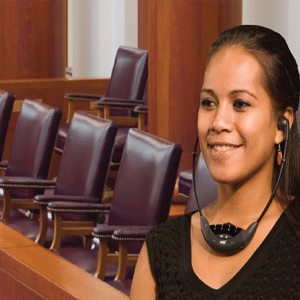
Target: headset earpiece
283, 124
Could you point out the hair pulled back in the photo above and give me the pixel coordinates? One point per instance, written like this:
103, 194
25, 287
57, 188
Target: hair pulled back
280, 79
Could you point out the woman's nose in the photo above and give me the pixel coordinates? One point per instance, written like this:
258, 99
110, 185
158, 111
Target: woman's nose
222, 120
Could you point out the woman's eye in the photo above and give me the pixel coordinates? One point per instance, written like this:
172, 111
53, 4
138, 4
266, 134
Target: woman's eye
207, 103
240, 104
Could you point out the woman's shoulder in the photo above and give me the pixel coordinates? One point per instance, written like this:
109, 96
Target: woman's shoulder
164, 244
171, 226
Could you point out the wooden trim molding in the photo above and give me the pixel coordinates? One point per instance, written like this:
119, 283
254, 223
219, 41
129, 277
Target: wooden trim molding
180, 36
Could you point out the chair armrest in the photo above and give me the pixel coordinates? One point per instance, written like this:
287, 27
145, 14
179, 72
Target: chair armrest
82, 97
78, 207
141, 109
104, 230
46, 199
131, 233
118, 102
3, 165
26, 182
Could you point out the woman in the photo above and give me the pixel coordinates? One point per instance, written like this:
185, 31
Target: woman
251, 83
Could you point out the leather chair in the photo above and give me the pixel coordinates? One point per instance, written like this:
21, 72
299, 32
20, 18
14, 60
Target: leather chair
81, 177
125, 91
185, 181
6, 107
30, 156
141, 199
142, 195
207, 188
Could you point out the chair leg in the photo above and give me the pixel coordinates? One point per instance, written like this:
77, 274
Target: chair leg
100, 113
102, 259
43, 226
87, 241
141, 121
106, 112
57, 231
122, 262
70, 111
6, 204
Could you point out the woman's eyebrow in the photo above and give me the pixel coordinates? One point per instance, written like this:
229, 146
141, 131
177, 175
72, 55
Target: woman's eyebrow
242, 91
209, 91
237, 91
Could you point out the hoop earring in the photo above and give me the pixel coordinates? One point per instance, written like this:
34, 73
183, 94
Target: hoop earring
279, 155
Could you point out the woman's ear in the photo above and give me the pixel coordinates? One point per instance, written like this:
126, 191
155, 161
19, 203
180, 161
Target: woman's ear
289, 115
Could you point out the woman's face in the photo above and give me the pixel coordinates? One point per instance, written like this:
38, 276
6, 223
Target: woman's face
236, 124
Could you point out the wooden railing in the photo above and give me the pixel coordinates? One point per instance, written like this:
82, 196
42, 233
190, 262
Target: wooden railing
49, 91
29, 271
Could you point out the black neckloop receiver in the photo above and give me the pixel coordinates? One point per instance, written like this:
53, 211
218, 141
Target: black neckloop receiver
227, 238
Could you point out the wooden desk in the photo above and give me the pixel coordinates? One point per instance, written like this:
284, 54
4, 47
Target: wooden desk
29, 271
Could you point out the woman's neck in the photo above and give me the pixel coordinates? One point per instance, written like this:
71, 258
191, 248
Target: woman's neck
242, 204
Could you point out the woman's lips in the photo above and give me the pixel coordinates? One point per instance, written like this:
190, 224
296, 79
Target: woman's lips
222, 147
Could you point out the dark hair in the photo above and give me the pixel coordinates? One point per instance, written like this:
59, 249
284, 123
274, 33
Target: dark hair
281, 81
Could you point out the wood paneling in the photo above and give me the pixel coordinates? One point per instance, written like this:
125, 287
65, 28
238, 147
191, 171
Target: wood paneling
51, 91
180, 35
29, 271
33, 39
143, 24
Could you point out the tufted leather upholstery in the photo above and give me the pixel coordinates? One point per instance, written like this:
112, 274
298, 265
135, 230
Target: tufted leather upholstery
6, 107
83, 167
125, 91
207, 188
31, 149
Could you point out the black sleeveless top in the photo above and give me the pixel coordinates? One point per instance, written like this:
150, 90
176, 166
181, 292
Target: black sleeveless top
273, 271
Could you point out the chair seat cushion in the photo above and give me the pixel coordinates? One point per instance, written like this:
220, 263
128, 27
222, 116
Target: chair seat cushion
185, 182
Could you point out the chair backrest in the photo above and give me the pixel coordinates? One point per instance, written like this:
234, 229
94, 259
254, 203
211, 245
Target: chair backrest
86, 157
33, 143
129, 74
146, 180
146, 94
207, 188
6, 107
145, 183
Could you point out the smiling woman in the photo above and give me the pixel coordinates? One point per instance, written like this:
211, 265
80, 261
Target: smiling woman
250, 94
237, 128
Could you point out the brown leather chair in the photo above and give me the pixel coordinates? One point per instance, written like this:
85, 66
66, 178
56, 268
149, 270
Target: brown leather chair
142, 195
141, 199
81, 177
185, 181
6, 107
207, 188
30, 155
125, 91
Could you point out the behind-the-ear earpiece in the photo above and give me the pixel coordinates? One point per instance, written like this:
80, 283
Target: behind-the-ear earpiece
283, 124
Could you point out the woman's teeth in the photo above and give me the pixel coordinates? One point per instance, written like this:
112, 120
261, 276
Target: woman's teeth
222, 148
